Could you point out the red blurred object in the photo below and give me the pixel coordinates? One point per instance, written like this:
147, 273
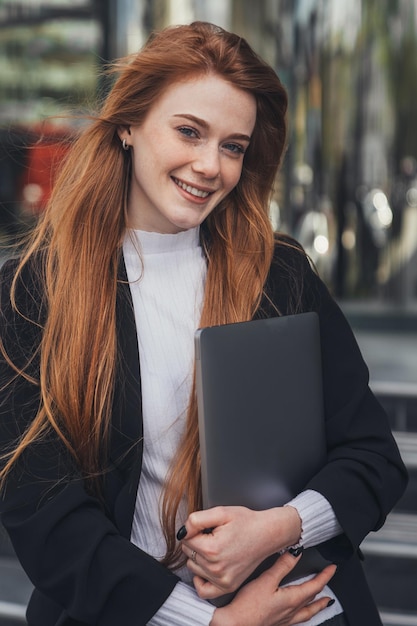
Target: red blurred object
46, 149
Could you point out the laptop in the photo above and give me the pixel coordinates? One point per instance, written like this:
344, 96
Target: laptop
260, 414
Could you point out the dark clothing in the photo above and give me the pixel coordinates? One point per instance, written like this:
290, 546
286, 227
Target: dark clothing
337, 620
76, 550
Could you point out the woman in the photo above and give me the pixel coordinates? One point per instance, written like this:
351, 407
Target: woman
158, 224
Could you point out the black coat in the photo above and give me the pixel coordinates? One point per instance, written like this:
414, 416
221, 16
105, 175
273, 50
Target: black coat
76, 550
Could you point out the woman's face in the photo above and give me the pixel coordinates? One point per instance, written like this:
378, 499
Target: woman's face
188, 153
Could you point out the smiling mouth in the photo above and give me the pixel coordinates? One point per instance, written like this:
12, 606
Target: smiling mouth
198, 193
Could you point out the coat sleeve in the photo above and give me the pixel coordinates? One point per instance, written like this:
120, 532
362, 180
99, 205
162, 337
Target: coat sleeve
364, 476
79, 563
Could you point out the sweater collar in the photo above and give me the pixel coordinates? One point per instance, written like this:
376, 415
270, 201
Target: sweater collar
160, 243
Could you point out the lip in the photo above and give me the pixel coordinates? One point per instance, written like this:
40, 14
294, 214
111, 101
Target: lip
192, 191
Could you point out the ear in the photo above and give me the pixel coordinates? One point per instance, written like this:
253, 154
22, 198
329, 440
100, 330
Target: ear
123, 132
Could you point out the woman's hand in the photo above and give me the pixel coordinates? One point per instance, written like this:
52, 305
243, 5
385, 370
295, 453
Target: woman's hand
224, 545
263, 603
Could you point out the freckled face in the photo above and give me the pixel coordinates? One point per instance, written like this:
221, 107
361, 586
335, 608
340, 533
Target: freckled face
188, 153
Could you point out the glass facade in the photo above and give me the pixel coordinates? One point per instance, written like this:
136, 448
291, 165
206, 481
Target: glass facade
349, 184
49, 55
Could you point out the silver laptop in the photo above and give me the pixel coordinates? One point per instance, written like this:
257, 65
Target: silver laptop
260, 411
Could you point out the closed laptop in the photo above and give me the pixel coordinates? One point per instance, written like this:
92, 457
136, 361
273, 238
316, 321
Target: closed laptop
260, 411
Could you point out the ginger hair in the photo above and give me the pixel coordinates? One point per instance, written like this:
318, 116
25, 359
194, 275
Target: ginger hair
81, 233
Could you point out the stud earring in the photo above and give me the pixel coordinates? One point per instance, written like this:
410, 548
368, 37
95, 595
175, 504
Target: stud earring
124, 145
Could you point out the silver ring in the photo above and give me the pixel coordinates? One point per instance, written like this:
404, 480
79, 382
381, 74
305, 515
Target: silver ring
194, 556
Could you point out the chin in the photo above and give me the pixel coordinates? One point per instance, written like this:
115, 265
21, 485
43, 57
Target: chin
186, 224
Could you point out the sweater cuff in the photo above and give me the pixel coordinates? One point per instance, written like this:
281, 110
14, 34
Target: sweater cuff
183, 608
319, 523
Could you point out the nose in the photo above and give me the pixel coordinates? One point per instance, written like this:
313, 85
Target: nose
207, 161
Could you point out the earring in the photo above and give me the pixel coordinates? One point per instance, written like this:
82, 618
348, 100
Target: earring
124, 145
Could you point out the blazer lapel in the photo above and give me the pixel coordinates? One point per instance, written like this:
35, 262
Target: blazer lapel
126, 435
127, 428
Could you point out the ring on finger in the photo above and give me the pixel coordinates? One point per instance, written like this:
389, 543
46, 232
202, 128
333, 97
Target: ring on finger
194, 556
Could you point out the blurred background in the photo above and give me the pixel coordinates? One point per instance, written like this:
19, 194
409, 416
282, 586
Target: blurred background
347, 190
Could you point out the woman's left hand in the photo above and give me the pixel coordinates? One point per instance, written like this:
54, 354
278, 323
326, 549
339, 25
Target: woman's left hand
225, 544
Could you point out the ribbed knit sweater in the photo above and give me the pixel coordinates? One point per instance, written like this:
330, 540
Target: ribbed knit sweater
167, 273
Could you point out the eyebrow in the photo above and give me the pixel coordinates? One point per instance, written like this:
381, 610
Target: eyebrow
205, 125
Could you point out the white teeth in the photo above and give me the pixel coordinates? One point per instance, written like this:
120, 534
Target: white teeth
192, 190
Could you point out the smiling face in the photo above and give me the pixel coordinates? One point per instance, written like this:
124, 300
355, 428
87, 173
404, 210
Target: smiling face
188, 153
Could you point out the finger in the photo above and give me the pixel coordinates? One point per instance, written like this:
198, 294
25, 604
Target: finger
321, 579
287, 561
310, 610
199, 567
281, 568
205, 521
313, 587
196, 561
206, 589
195, 525
218, 577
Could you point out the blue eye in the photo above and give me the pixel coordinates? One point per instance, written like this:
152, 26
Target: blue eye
235, 148
187, 131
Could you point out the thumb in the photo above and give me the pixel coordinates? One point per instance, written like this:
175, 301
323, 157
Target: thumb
206, 589
282, 567
202, 522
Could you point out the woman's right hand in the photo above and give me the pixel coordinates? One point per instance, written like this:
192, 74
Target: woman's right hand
262, 602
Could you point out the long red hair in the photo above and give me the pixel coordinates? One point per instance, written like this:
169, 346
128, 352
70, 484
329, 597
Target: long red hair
81, 233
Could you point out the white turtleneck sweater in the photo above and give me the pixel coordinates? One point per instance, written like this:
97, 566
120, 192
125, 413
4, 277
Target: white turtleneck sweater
167, 276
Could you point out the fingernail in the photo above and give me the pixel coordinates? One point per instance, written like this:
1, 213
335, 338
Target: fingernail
182, 533
296, 551
331, 602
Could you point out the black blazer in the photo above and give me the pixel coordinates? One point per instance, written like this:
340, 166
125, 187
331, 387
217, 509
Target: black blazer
76, 549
